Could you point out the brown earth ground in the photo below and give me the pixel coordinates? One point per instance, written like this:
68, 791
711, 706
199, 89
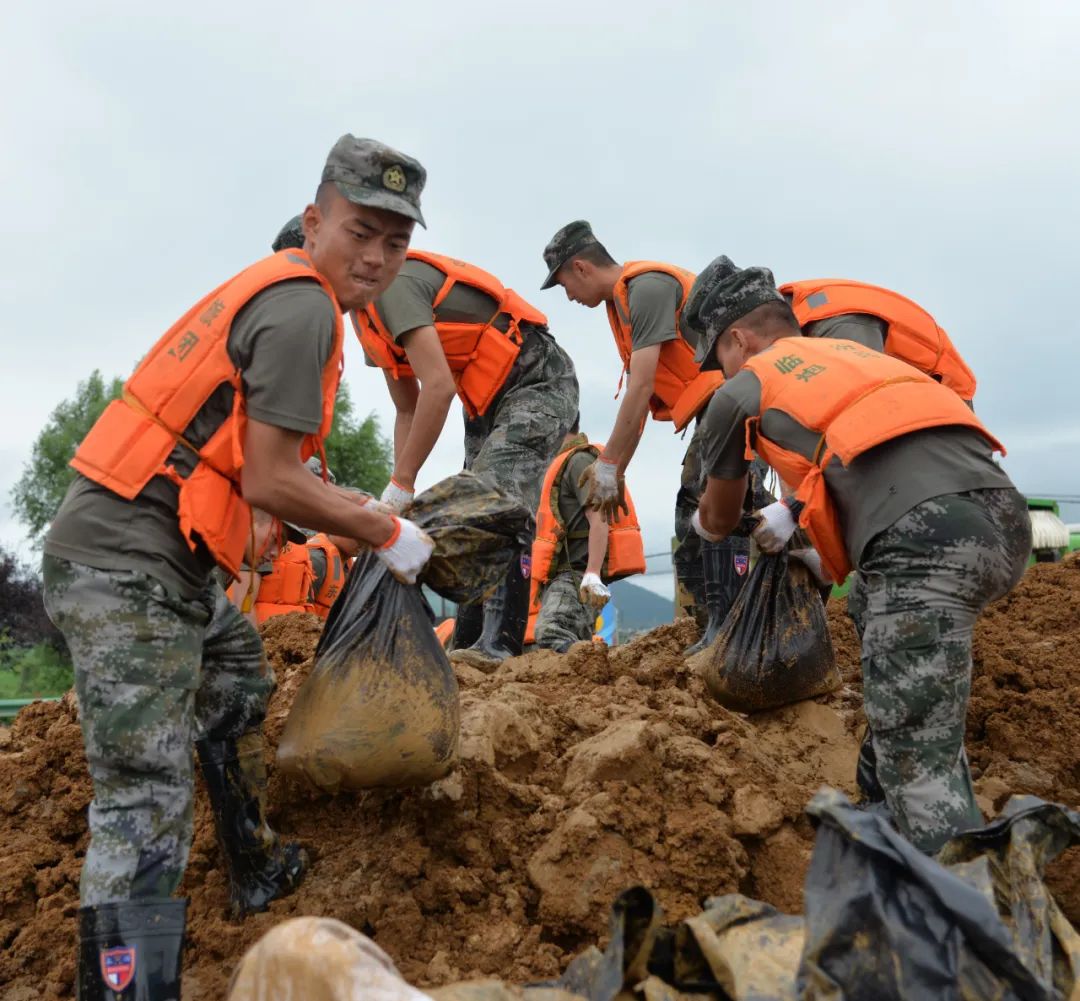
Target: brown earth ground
579, 776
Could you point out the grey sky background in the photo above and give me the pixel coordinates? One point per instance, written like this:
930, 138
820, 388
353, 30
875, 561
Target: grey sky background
929, 147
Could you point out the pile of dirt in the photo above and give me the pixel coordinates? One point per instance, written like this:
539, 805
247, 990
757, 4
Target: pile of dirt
580, 775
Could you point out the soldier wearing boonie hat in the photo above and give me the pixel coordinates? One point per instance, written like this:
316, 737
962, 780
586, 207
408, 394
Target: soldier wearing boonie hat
644, 302
891, 474
162, 659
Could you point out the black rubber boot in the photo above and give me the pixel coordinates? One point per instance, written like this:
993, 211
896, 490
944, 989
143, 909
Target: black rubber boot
866, 772
506, 614
131, 950
261, 867
723, 581
468, 625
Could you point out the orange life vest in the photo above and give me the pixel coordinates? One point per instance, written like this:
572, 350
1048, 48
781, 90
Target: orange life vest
287, 587
912, 336
855, 399
479, 354
625, 552
680, 389
130, 443
337, 568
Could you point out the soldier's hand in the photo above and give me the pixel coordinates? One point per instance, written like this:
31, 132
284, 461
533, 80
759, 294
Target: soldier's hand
396, 497
407, 551
776, 524
606, 489
594, 593
811, 559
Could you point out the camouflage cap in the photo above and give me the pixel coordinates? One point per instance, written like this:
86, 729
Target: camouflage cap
370, 173
708, 278
570, 240
727, 294
291, 235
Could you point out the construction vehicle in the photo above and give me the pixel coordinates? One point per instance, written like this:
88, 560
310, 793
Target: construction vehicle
1050, 536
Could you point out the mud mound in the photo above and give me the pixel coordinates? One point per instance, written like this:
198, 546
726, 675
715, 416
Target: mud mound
580, 775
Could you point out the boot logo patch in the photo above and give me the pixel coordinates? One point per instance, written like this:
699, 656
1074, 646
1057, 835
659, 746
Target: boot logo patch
118, 966
742, 563
526, 565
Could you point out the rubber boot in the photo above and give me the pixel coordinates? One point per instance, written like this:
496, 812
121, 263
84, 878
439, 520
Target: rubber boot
506, 614
131, 950
866, 772
261, 867
468, 625
723, 581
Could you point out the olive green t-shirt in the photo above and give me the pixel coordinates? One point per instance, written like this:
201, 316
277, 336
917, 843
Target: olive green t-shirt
869, 331
653, 297
280, 342
409, 302
877, 487
572, 511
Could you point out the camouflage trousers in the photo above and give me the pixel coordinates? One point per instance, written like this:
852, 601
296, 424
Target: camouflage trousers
925, 579
514, 442
687, 561
153, 673
563, 619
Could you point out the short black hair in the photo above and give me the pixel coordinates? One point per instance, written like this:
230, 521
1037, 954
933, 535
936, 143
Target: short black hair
771, 318
325, 192
595, 253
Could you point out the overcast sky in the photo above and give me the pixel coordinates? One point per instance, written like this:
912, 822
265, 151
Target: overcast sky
929, 147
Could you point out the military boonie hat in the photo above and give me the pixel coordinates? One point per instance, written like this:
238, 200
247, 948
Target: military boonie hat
290, 236
573, 238
368, 172
724, 294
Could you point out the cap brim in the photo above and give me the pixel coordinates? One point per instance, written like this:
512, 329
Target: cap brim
551, 281
705, 356
294, 533
381, 200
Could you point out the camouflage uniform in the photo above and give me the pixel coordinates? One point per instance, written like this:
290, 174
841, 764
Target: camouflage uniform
513, 443
563, 619
153, 672
926, 579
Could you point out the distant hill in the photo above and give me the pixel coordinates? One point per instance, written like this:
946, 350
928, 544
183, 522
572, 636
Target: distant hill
639, 608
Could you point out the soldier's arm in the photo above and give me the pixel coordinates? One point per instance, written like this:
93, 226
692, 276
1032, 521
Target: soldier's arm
723, 452
404, 392
598, 541
437, 391
721, 505
275, 479
630, 420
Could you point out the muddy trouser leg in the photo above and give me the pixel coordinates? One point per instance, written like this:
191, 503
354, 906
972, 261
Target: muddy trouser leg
686, 560
927, 578
513, 445
563, 619
136, 649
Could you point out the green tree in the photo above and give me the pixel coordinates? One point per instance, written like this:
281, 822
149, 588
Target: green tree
356, 451
36, 497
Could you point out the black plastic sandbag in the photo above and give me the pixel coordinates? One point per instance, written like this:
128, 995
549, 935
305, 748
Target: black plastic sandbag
477, 530
886, 923
380, 707
774, 646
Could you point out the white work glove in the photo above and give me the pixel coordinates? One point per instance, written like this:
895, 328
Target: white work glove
695, 524
811, 559
407, 551
396, 497
776, 526
594, 592
607, 492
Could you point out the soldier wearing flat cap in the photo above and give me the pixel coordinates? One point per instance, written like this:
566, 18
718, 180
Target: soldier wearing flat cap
890, 473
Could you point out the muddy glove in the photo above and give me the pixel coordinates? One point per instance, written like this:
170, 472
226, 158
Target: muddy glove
811, 559
594, 593
775, 526
695, 524
376, 505
607, 491
396, 497
407, 551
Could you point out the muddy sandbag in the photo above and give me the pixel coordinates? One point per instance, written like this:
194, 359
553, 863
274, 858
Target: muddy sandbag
380, 707
886, 923
477, 531
774, 646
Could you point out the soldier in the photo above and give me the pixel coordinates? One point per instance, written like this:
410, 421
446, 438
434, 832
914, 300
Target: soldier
218, 416
644, 301
892, 474
446, 328
576, 555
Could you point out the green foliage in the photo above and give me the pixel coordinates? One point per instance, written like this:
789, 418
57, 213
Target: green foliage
31, 672
45, 478
356, 451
